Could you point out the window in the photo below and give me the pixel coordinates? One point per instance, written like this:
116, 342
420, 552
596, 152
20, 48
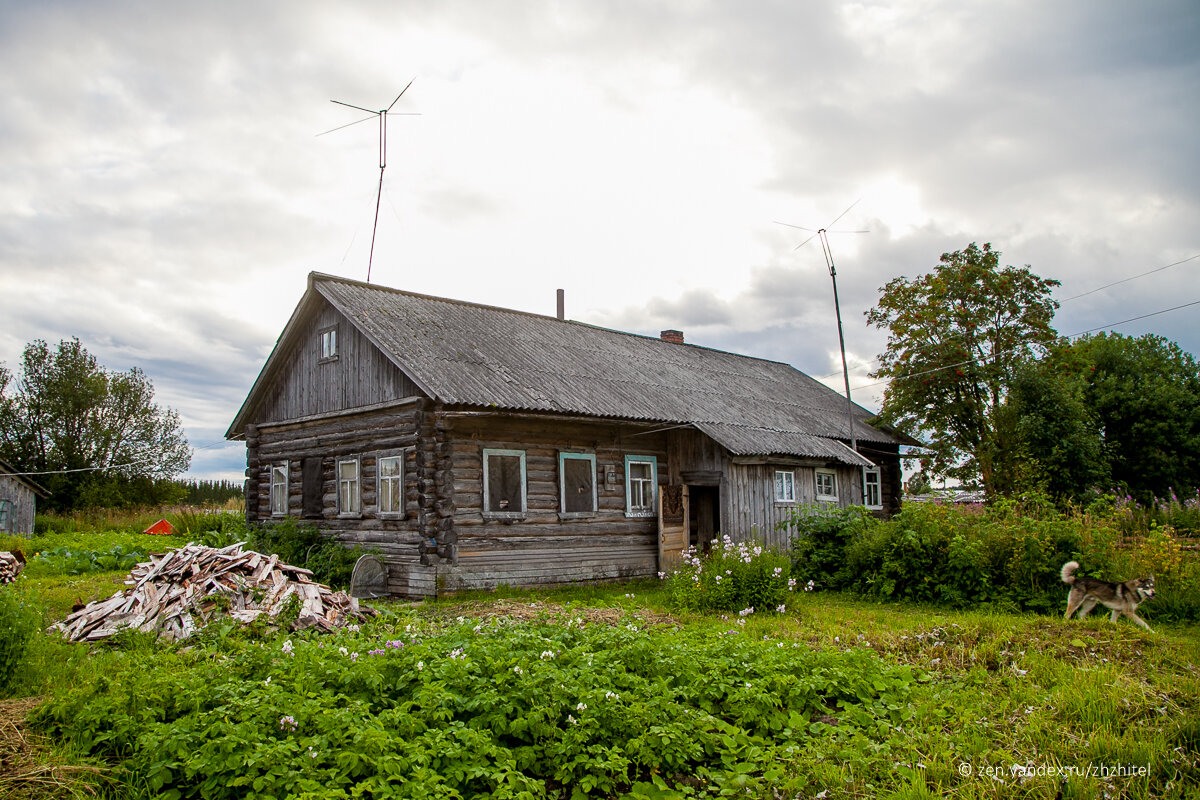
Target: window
349, 497
785, 486
577, 483
872, 488
826, 484
6, 517
391, 485
279, 489
504, 483
329, 343
641, 483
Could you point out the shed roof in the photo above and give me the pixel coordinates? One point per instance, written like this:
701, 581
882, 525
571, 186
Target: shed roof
34, 486
468, 354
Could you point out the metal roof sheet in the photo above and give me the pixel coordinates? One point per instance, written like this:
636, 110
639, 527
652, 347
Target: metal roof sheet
476, 355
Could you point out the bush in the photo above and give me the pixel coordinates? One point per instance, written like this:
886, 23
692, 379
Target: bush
18, 622
304, 546
733, 576
819, 535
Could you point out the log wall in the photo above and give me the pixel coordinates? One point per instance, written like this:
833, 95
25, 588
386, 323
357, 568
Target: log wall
545, 546
411, 542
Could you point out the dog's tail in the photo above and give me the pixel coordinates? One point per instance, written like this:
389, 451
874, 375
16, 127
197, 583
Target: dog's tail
1068, 571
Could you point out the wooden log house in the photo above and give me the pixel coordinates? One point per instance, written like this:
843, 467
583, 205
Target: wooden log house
475, 446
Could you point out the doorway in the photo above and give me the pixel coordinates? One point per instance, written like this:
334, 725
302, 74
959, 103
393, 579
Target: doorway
704, 517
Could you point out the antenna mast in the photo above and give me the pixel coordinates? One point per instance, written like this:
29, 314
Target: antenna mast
382, 116
823, 235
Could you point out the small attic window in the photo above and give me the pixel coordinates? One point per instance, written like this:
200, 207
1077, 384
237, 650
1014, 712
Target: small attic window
329, 343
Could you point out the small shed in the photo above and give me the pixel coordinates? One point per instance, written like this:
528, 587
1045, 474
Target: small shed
18, 501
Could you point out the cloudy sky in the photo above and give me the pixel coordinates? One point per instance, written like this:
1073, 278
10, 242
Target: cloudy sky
164, 190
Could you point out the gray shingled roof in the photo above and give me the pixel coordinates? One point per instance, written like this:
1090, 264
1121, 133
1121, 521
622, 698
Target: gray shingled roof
474, 355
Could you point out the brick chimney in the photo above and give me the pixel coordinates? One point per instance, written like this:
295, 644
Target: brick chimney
675, 337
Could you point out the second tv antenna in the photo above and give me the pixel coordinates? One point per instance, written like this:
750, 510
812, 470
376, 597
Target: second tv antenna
823, 235
382, 116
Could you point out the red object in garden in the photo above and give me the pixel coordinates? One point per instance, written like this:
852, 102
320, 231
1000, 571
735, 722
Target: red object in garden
160, 528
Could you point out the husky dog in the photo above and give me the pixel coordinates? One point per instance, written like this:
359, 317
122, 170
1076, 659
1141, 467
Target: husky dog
1122, 598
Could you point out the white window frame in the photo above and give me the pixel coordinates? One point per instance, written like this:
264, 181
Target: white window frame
354, 485
652, 489
833, 480
329, 343
279, 488
395, 482
785, 490
510, 514
878, 483
563, 458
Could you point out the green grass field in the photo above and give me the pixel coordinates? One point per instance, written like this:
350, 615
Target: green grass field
835, 697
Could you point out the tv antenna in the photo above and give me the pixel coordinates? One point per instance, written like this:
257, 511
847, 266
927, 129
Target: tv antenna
823, 235
382, 115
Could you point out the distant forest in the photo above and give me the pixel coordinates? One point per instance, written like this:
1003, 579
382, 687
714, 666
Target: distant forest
209, 492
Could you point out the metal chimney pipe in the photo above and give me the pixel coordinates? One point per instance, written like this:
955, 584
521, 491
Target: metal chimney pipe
562, 304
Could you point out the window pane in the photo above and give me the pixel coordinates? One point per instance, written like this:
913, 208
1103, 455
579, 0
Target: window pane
504, 484
389, 484
640, 479
578, 481
279, 489
349, 498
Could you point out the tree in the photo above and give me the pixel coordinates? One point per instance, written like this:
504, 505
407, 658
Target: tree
1107, 411
93, 433
956, 337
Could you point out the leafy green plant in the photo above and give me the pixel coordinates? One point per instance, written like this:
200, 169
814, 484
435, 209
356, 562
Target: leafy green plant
305, 546
475, 708
819, 535
79, 562
732, 576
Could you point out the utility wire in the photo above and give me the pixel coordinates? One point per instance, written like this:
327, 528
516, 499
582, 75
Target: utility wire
1130, 278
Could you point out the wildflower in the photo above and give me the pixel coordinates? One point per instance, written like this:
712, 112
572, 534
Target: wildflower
571, 719
581, 707
394, 643
352, 627
778, 571
420, 665
518, 670
718, 579
791, 584
548, 655
745, 612
267, 682
780, 608
629, 595
611, 696
354, 656
343, 651
312, 753
378, 652
457, 653
809, 586
287, 647
662, 575
288, 723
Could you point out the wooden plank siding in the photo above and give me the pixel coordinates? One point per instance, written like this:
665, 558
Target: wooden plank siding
307, 385
21, 505
752, 511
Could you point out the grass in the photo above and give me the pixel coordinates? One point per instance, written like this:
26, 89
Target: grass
1006, 705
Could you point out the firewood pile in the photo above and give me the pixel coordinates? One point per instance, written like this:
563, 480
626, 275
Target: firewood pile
11, 565
181, 591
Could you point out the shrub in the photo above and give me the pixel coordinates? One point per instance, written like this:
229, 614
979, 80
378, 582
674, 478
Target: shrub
18, 621
819, 534
733, 576
304, 546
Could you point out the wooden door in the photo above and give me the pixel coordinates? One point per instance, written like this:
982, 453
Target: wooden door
672, 526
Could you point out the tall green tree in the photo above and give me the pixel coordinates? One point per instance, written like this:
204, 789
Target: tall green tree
1102, 412
955, 339
95, 434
